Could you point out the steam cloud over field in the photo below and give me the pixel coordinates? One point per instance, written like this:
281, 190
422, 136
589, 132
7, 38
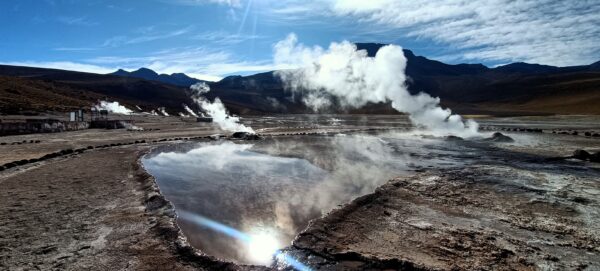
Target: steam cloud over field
354, 79
113, 107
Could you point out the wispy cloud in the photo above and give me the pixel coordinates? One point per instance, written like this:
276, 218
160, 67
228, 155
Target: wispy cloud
540, 31
231, 3
225, 38
198, 61
79, 21
117, 41
75, 49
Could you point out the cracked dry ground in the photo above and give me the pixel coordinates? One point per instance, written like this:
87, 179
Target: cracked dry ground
84, 212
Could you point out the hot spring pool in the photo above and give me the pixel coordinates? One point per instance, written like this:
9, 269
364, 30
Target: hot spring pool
271, 189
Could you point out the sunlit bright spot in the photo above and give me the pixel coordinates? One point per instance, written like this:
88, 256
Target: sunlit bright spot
262, 246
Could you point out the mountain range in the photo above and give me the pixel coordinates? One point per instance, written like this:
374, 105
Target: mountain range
178, 79
513, 89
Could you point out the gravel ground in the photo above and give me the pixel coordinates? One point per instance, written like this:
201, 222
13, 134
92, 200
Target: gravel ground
82, 212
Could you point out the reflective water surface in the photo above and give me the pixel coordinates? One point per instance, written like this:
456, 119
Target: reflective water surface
277, 185
270, 189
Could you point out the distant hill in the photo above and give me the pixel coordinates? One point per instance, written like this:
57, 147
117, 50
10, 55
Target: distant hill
22, 96
177, 79
147, 94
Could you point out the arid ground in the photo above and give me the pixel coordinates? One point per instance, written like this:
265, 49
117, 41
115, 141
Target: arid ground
81, 201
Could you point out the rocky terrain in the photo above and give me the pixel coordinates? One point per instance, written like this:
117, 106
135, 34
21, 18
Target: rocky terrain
95, 208
458, 221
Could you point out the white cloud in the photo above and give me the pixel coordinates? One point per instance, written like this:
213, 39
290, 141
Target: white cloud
80, 21
75, 49
146, 36
231, 3
539, 31
198, 62
225, 38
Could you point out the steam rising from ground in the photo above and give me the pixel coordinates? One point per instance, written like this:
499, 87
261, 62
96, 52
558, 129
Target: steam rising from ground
189, 110
163, 111
113, 107
200, 88
216, 110
354, 79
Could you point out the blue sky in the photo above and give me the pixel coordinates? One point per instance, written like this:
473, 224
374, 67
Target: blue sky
210, 39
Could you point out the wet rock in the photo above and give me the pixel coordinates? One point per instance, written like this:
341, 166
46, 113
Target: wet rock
581, 155
48, 156
454, 138
245, 136
581, 200
216, 136
595, 157
499, 137
67, 151
21, 162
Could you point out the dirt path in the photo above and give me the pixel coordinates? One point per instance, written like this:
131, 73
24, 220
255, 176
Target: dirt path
83, 212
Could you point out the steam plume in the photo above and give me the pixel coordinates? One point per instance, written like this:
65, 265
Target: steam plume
189, 110
163, 111
355, 79
113, 107
200, 88
216, 110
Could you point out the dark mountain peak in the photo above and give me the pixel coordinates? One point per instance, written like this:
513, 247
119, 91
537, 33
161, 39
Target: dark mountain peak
231, 78
371, 48
522, 67
408, 53
145, 73
423, 65
178, 79
121, 72
179, 75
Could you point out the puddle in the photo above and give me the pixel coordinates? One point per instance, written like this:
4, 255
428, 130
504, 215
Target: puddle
276, 186
239, 201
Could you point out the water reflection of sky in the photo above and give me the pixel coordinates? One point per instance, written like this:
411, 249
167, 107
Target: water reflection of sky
280, 184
